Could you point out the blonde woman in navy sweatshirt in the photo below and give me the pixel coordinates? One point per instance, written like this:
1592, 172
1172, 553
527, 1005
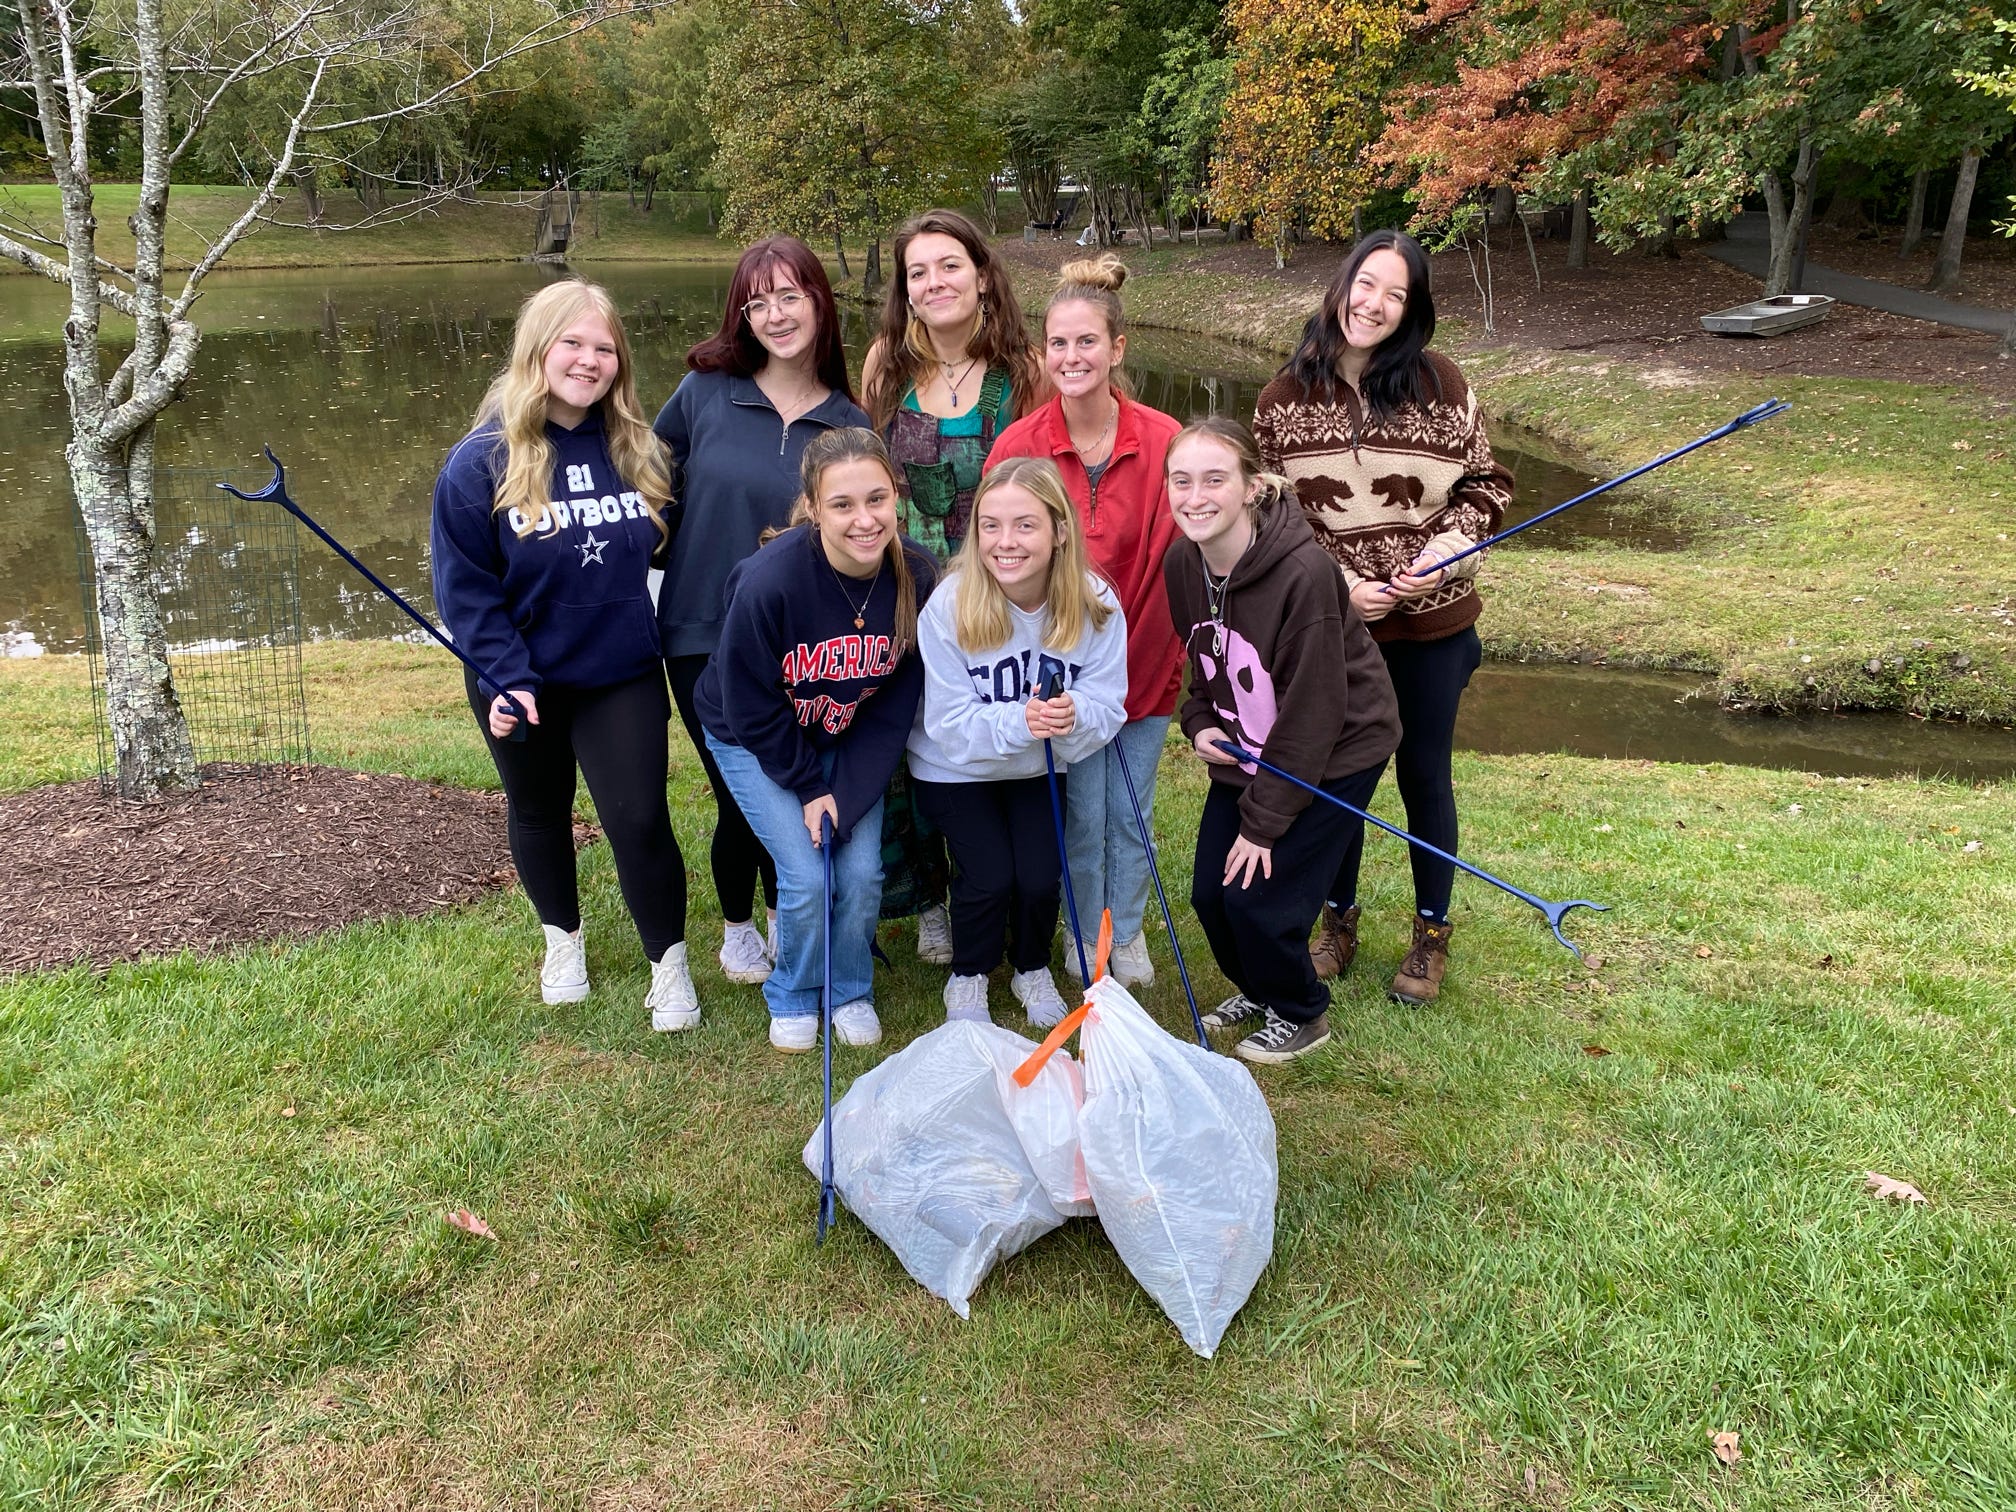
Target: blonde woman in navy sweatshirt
546, 517
806, 703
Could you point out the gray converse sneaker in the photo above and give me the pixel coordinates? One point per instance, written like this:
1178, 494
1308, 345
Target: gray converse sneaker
966, 998
1037, 992
1235, 1010
1281, 1039
564, 977
673, 1003
934, 936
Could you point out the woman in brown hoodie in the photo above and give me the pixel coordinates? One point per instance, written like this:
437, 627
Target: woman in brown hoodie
1282, 666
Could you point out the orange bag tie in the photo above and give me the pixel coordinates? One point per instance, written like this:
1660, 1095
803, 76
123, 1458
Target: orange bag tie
1030, 1069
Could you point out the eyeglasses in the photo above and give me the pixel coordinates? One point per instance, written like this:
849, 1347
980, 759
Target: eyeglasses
786, 302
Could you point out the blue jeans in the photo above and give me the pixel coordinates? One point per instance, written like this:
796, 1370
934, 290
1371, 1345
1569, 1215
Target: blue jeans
778, 819
1109, 868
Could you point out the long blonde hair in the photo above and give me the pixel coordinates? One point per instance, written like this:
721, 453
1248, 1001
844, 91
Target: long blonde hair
980, 619
853, 444
1097, 282
1238, 440
516, 403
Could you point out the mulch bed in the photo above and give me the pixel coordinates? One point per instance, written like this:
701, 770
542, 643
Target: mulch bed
248, 856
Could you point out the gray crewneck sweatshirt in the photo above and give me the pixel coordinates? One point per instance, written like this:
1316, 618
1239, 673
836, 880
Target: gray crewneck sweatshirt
971, 726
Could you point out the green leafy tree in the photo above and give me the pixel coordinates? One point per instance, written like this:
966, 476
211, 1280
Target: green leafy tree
1301, 112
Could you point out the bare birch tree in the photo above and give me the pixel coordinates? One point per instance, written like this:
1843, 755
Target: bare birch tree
328, 72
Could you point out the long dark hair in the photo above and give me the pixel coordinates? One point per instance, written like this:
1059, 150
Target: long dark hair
1001, 340
734, 349
1399, 372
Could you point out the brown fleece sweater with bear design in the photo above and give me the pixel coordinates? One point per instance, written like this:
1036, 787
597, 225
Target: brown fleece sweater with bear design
1380, 492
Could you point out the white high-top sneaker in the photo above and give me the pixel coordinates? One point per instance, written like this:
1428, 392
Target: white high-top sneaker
1037, 992
743, 957
934, 936
673, 1003
966, 998
564, 977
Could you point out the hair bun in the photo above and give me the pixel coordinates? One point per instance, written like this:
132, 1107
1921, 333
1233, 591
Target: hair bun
1105, 271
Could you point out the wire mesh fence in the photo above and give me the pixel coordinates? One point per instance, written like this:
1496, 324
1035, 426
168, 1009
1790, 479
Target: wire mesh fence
229, 576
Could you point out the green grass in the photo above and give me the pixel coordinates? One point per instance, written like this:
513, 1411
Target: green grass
1498, 1253
497, 227
1857, 552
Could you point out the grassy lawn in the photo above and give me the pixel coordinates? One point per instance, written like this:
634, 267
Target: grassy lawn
1857, 552
497, 227
1510, 1272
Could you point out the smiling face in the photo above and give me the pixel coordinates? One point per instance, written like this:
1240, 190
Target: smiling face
1208, 494
941, 283
1375, 301
855, 514
580, 366
1017, 540
1080, 350
782, 317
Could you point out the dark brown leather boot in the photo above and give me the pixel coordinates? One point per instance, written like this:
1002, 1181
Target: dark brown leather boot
1419, 979
1336, 941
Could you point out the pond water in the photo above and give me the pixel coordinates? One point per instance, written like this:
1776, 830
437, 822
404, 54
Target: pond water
362, 379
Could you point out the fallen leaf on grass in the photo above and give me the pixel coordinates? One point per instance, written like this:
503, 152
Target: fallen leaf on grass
1532, 1481
1594, 1050
469, 1223
1826, 962
1703, 952
1726, 1447
288, 1111
1892, 1190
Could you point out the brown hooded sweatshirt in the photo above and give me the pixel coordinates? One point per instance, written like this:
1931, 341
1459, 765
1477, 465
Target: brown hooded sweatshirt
1289, 671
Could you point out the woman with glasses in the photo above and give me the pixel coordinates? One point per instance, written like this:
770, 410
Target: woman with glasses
757, 392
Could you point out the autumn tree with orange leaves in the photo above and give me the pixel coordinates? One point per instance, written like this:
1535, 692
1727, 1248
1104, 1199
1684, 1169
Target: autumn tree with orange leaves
1302, 111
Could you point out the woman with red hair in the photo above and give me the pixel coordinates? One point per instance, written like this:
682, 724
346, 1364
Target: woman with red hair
757, 392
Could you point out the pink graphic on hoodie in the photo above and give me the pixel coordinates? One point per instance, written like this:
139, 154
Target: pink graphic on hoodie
1231, 666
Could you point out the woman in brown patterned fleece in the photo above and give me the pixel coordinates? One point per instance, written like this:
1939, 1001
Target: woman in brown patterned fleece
1386, 447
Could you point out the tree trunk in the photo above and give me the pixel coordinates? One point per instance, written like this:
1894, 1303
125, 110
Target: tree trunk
871, 279
150, 738
1578, 231
840, 251
650, 191
1787, 221
1946, 266
1281, 244
371, 192
1504, 205
311, 194
1804, 177
1914, 216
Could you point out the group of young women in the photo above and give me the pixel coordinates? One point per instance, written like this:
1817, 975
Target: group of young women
878, 618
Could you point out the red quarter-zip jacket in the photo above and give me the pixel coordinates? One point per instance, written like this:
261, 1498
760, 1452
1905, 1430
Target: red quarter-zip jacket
1128, 530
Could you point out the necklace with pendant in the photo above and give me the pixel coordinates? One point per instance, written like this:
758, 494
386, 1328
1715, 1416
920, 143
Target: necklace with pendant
1094, 449
860, 609
951, 383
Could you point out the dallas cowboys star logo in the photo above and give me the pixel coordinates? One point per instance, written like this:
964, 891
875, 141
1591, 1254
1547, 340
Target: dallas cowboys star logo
590, 549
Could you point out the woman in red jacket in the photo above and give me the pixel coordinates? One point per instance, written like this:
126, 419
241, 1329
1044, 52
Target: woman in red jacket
1110, 451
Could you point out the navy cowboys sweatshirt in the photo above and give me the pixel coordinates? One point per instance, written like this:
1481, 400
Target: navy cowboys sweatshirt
793, 678
566, 604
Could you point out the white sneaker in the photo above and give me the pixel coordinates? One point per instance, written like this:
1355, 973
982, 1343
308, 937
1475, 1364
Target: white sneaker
564, 977
743, 957
855, 1023
673, 1002
799, 1032
934, 936
1037, 993
966, 998
1129, 963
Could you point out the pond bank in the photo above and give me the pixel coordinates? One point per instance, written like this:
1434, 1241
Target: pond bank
1854, 554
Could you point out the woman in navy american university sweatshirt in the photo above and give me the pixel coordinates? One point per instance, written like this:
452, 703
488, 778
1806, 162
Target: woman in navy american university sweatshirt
806, 705
546, 517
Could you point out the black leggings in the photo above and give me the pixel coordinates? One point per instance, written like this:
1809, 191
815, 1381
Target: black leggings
617, 734
1259, 933
1007, 872
737, 856
1428, 681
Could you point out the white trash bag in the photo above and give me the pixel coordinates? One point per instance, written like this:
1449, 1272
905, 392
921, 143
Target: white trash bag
1178, 1147
950, 1163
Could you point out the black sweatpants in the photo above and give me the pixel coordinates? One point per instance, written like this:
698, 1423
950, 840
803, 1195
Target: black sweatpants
1260, 933
618, 736
1428, 682
1005, 869
736, 856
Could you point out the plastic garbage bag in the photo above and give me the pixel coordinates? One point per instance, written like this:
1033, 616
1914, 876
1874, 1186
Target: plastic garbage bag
1178, 1147
949, 1162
